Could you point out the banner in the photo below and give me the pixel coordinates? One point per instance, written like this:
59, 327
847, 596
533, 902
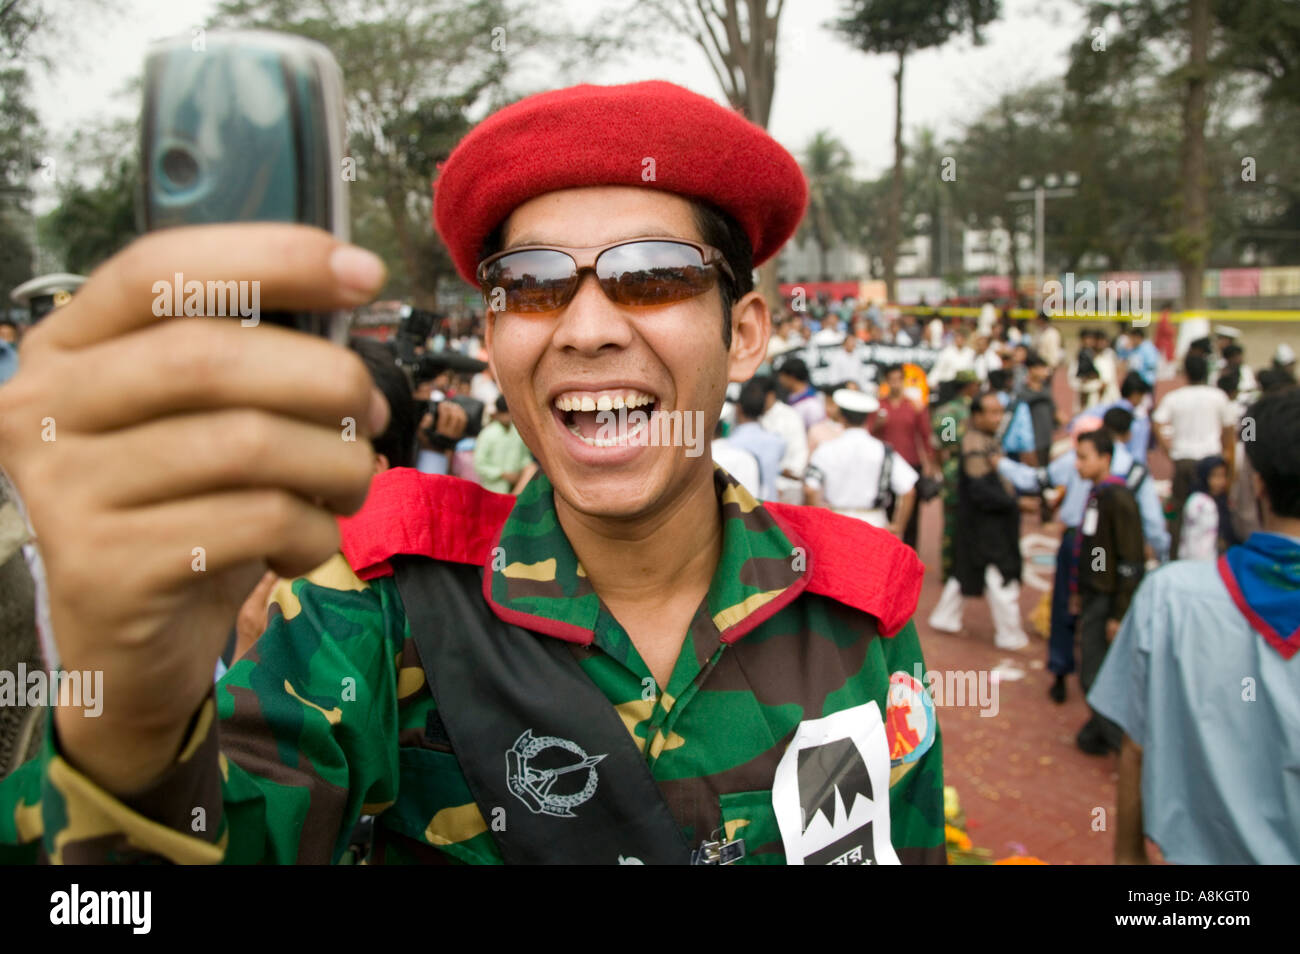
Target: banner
872, 359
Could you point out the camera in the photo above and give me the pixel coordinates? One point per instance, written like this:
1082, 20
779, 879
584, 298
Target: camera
473, 409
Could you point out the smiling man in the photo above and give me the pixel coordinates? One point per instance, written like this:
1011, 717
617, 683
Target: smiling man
634, 661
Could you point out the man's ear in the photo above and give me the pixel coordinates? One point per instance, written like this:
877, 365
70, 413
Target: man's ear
751, 327
381, 464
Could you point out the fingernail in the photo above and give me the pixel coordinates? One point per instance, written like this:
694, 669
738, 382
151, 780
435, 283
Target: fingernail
378, 414
356, 269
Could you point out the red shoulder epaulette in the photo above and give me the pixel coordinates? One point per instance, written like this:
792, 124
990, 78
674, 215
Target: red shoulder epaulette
456, 520
855, 563
407, 512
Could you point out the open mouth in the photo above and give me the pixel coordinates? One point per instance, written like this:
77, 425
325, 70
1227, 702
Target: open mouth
609, 418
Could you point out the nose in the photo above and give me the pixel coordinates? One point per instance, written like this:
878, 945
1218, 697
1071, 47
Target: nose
590, 322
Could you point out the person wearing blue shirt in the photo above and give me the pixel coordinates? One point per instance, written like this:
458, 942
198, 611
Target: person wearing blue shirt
8, 360
1203, 678
1144, 358
1062, 473
768, 448
1133, 395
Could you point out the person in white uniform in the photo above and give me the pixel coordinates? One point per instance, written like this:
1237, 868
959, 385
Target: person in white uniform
855, 473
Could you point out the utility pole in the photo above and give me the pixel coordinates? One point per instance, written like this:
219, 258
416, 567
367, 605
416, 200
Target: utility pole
1040, 193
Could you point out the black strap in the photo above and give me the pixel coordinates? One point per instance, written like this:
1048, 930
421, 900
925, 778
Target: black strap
884, 490
532, 733
1136, 474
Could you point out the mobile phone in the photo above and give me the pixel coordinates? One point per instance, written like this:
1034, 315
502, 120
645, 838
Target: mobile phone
245, 126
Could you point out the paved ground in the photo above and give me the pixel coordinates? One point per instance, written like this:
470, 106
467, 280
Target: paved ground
1023, 784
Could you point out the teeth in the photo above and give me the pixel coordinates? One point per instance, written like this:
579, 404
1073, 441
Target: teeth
605, 402
601, 442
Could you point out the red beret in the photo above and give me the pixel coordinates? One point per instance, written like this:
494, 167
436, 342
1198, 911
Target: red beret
602, 135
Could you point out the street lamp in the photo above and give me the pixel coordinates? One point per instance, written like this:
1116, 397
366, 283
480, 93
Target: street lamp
1040, 194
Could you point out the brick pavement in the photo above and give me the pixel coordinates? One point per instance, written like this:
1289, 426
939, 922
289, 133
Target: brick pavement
1024, 786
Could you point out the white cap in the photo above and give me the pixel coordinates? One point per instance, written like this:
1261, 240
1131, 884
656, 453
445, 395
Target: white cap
1284, 354
1227, 331
61, 285
828, 336
855, 402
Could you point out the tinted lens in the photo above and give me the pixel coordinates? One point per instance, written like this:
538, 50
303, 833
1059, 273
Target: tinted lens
653, 273
533, 280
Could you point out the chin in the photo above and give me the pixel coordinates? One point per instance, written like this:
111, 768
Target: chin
614, 492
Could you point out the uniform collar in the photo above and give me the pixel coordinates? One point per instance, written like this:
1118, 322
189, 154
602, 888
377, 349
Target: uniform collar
533, 579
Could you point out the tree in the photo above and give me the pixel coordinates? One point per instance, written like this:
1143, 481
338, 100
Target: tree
828, 168
900, 27
1190, 33
20, 139
738, 38
415, 73
1263, 37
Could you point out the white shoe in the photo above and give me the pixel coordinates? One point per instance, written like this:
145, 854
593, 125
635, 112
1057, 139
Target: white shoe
1012, 642
944, 629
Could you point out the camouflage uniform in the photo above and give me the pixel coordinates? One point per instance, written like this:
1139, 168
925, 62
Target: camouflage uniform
327, 718
949, 440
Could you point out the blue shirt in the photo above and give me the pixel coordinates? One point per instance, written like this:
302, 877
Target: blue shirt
767, 448
1213, 707
1062, 473
1145, 360
1139, 435
8, 361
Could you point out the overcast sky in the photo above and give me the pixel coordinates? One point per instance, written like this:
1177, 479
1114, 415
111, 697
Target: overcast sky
821, 82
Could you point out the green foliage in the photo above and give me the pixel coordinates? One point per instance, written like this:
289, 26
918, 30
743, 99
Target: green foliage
903, 26
828, 167
416, 73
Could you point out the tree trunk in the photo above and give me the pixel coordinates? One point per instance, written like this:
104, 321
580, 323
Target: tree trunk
892, 219
396, 206
1192, 238
1015, 262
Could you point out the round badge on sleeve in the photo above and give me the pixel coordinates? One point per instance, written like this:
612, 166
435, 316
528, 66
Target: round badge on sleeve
910, 720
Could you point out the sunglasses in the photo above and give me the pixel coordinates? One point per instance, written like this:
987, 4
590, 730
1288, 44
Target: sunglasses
532, 279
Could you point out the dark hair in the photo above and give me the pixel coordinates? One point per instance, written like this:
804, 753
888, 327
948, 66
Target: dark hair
1274, 379
977, 402
1100, 440
397, 443
795, 368
1275, 451
1034, 360
1200, 344
502, 407
724, 233
753, 399
999, 378
1137, 332
890, 369
1197, 368
1232, 351
853, 418
1117, 421
1229, 381
10, 322
716, 228
1134, 383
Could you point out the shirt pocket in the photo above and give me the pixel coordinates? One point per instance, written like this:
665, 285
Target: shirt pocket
749, 815
434, 805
